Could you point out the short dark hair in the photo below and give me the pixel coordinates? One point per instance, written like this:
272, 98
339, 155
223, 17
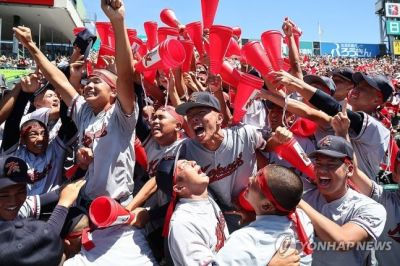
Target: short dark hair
286, 186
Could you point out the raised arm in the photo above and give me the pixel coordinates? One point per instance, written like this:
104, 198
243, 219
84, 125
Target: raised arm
50, 71
115, 11
294, 57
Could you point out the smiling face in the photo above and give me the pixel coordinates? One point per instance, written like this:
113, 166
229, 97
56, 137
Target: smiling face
332, 174
98, 94
190, 179
275, 117
364, 98
11, 200
35, 137
164, 128
47, 99
205, 123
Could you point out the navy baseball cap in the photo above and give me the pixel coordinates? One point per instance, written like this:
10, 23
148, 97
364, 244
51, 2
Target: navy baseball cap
199, 99
29, 242
343, 72
333, 146
379, 82
328, 82
84, 40
13, 170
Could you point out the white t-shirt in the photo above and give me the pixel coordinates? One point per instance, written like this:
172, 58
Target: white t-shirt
355, 208
195, 232
110, 134
256, 243
116, 245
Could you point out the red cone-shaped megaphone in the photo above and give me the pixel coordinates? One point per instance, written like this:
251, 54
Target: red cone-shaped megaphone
131, 32
167, 33
168, 54
150, 27
248, 88
195, 31
303, 127
294, 154
228, 74
106, 34
233, 48
104, 50
208, 10
237, 32
255, 56
168, 17
105, 211
188, 45
272, 42
219, 40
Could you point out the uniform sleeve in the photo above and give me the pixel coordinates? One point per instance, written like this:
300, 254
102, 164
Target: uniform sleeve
30, 208
77, 109
127, 122
384, 197
255, 137
242, 249
372, 218
187, 246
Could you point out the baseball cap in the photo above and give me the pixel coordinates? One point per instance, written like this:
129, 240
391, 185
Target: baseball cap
379, 82
84, 40
199, 99
343, 72
29, 242
328, 82
333, 146
13, 170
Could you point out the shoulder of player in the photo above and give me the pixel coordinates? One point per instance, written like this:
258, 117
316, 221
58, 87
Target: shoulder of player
362, 203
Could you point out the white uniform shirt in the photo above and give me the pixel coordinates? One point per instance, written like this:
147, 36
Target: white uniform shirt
195, 232
352, 207
391, 233
116, 245
110, 134
256, 243
231, 165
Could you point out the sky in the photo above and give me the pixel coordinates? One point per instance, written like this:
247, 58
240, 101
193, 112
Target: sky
352, 21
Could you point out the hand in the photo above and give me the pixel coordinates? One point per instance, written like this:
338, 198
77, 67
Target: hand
340, 122
76, 55
70, 192
110, 63
115, 11
30, 83
287, 27
76, 68
23, 34
285, 79
84, 157
188, 80
289, 258
171, 82
214, 83
163, 80
282, 135
141, 217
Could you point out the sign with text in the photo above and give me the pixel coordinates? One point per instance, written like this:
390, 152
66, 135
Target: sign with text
30, 2
392, 10
392, 27
396, 47
350, 49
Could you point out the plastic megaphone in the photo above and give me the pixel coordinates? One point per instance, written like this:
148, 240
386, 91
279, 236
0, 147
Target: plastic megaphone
233, 48
247, 90
131, 32
220, 37
150, 27
167, 33
303, 127
168, 17
195, 32
230, 75
272, 42
105, 211
294, 154
208, 10
188, 45
237, 32
104, 50
255, 56
168, 54
106, 34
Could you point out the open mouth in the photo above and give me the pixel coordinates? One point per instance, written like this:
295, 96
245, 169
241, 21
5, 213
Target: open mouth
324, 181
90, 94
199, 130
12, 208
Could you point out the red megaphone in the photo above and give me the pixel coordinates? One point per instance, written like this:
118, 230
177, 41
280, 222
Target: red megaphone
220, 37
167, 33
230, 75
294, 154
208, 10
77, 30
168, 54
168, 17
150, 75
105, 211
150, 27
104, 50
237, 32
131, 32
106, 34
272, 42
248, 88
137, 45
188, 45
195, 31
233, 48
255, 56
303, 127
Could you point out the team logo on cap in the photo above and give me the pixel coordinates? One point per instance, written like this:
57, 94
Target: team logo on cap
193, 97
12, 167
326, 142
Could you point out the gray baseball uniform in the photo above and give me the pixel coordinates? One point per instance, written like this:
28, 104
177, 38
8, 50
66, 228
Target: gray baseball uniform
110, 134
355, 208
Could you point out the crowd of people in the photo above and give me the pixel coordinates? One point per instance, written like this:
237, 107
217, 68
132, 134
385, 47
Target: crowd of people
300, 174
